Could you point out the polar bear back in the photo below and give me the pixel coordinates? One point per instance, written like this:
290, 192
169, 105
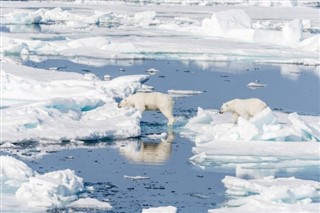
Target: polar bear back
250, 106
151, 101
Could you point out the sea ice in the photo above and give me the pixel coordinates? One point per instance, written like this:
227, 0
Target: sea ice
38, 192
183, 93
84, 106
243, 33
162, 209
257, 147
270, 194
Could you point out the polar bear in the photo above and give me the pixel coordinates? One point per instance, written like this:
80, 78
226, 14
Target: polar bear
244, 108
151, 101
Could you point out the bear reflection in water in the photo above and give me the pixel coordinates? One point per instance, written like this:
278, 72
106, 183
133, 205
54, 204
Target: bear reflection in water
148, 152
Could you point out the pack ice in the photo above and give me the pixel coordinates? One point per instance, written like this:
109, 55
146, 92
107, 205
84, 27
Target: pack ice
51, 105
270, 194
258, 147
288, 41
23, 188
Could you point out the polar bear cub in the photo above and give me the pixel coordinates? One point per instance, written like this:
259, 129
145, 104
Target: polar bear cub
150, 102
244, 108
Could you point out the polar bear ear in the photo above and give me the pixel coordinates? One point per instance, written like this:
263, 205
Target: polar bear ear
227, 105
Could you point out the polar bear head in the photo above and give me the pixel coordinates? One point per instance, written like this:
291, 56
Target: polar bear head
224, 108
125, 103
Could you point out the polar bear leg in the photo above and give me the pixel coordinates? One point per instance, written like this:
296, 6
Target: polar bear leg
235, 117
167, 112
140, 107
245, 116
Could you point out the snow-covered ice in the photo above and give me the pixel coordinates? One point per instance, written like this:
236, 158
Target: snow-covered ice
51, 106
257, 147
240, 33
84, 107
270, 194
23, 188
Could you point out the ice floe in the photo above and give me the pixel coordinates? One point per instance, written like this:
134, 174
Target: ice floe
243, 34
255, 85
23, 188
270, 194
162, 209
183, 93
257, 147
85, 107
207, 125
136, 177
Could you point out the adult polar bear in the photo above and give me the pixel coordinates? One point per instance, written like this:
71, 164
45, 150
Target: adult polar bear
244, 108
151, 101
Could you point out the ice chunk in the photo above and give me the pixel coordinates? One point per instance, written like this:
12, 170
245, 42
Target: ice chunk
292, 31
270, 195
60, 187
89, 203
14, 171
183, 93
254, 85
308, 132
221, 22
162, 209
152, 71
136, 177
38, 192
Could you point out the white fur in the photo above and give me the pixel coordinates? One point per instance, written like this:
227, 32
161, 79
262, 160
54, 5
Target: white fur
244, 108
151, 101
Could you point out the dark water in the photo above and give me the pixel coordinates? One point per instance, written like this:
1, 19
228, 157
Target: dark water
290, 88
172, 179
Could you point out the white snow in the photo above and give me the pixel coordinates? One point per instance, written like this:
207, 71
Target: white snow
162, 209
242, 33
38, 192
83, 106
270, 194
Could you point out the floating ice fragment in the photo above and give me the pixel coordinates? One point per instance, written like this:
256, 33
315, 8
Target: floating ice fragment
14, 171
270, 194
89, 203
183, 93
26, 189
152, 71
136, 177
255, 85
165, 209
